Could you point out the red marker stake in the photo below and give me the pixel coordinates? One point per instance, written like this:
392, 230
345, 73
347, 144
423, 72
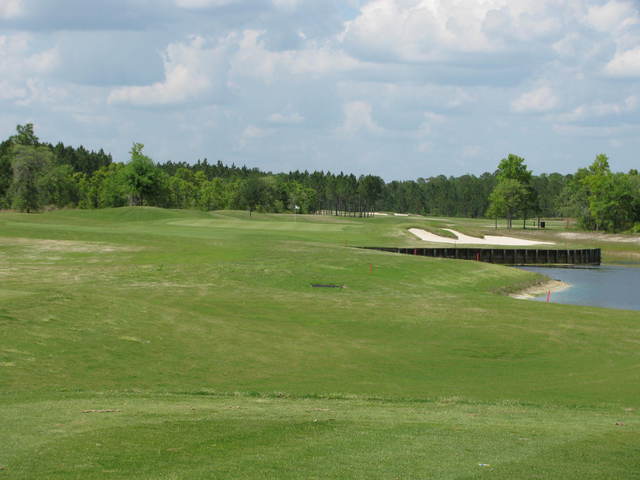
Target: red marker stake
548, 296
371, 268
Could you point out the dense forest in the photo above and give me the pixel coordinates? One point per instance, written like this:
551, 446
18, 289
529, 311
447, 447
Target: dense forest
36, 175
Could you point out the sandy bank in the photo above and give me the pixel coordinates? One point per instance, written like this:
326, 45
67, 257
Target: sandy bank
540, 289
603, 237
463, 239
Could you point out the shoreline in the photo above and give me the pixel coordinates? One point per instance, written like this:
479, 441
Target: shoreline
539, 289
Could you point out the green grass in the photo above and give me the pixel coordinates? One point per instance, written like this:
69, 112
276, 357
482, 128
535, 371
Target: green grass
203, 334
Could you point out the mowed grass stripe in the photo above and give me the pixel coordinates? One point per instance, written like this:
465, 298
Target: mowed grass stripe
239, 437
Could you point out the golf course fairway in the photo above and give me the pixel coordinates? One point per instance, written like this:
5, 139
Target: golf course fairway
141, 343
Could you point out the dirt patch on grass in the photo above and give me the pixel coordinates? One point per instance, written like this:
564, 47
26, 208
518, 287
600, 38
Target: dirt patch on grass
9, 271
603, 237
65, 245
623, 257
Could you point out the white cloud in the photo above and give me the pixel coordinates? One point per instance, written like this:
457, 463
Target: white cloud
358, 117
286, 118
43, 62
286, 4
410, 98
525, 20
9, 91
599, 131
24, 70
624, 64
320, 60
254, 132
11, 8
15, 43
613, 15
542, 99
39, 92
253, 59
429, 121
629, 104
195, 4
250, 134
435, 30
191, 70
569, 45
601, 109
200, 67
414, 31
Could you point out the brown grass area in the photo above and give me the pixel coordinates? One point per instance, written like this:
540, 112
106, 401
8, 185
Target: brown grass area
603, 237
65, 245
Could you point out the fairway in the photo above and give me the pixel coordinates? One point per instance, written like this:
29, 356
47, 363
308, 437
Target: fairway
164, 344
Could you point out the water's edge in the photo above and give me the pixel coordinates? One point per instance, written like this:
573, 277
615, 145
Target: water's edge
608, 286
541, 290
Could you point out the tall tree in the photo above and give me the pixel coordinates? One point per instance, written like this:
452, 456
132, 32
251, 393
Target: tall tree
252, 192
506, 199
6, 173
141, 177
25, 135
370, 190
29, 164
549, 188
599, 184
212, 195
514, 168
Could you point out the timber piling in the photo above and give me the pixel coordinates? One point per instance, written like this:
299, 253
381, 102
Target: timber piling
506, 256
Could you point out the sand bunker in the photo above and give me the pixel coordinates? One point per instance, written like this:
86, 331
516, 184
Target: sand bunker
463, 239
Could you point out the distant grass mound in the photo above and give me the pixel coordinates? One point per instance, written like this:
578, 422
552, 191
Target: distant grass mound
158, 344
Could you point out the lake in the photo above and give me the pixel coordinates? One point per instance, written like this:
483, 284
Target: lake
609, 286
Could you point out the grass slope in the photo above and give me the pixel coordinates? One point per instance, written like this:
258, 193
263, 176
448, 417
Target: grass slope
214, 358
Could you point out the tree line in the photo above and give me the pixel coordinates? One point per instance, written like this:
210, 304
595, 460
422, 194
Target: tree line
36, 175
596, 197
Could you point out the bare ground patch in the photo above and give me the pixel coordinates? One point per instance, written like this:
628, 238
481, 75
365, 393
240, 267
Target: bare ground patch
71, 246
604, 237
624, 257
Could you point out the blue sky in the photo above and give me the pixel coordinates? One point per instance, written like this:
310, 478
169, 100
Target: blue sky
399, 88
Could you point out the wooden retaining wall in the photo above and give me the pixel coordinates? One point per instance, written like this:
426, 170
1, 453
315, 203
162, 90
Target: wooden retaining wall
590, 256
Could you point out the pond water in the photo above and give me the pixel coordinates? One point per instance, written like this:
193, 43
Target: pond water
609, 286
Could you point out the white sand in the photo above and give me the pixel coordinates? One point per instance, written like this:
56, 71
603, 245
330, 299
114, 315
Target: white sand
467, 240
401, 214
541, 289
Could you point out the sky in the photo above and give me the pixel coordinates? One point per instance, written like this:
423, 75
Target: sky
397, 88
